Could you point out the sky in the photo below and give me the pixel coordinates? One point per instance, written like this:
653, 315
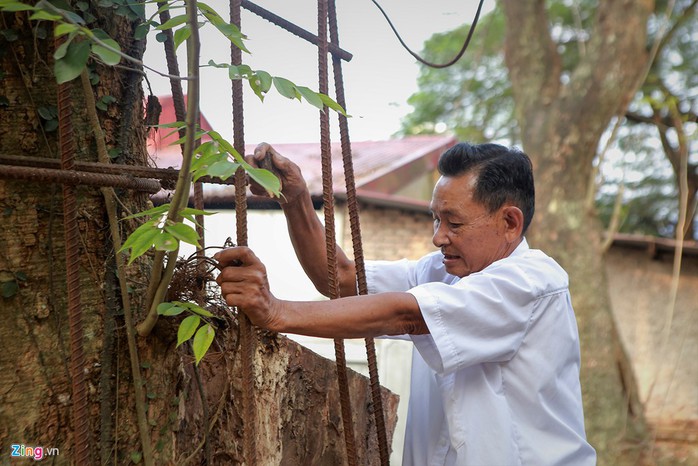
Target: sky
377, 81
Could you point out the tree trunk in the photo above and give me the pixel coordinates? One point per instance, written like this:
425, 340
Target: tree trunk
297, 408
561, 127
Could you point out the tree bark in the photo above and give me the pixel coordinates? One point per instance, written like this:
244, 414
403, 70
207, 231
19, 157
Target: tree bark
562, 119
297, 408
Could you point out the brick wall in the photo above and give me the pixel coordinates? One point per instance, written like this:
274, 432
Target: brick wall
391, 233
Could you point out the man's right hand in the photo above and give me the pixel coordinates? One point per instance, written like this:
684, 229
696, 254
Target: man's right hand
292, 183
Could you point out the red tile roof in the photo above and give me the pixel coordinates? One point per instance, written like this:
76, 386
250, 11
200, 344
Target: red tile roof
379, 166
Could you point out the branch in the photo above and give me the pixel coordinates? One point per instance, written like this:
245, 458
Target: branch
181, 194
110, 204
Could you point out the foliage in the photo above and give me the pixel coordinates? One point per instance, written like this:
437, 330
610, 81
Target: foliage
473, 98
189, 327
80, 45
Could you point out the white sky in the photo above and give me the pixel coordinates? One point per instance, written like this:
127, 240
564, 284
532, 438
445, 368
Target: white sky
377, 81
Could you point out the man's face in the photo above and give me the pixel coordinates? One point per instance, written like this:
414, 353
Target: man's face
469, 237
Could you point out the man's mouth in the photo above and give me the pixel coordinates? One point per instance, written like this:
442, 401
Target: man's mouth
449, 257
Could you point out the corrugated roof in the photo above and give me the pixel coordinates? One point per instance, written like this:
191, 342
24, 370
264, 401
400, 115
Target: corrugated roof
379, 166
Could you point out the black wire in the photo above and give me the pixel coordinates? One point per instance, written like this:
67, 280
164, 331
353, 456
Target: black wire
422, 60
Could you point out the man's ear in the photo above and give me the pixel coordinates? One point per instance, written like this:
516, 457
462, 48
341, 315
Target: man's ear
513, 222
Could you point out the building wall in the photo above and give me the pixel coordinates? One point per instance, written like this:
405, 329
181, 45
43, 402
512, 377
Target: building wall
390, 234
664, 361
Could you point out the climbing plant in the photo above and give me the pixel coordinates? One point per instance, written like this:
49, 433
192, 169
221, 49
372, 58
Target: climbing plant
165, 228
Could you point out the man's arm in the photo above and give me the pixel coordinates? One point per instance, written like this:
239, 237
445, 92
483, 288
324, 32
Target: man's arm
305, 229
246, 286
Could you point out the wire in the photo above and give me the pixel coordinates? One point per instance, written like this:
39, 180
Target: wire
422, 60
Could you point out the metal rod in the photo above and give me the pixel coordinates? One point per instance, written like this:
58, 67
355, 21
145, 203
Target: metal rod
164, 174
293, 29
74, 177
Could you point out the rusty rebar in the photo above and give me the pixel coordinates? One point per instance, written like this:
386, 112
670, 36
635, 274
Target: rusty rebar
80, 415
355, 227
247, 335
164, 174
294, 29
330, 234
70, 177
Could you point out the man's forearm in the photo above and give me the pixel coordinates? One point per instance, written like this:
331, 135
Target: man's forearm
308, 238
352, 317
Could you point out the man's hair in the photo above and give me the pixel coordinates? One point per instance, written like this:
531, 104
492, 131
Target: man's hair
502, 175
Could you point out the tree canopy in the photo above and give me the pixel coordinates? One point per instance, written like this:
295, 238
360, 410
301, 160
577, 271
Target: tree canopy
473, 100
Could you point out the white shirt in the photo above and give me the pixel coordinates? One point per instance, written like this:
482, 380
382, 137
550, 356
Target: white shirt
496, 382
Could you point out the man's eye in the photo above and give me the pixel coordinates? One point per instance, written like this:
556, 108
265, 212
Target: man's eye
454, 225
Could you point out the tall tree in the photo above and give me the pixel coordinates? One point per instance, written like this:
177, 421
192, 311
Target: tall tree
571, 67
562, 114
143, 400
473, 99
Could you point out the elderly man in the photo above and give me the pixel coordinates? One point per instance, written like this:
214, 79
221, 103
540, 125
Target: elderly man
495, 372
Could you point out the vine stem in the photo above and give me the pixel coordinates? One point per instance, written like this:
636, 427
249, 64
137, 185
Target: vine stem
110, 204
181, 194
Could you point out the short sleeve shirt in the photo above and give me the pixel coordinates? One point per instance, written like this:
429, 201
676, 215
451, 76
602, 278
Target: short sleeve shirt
496, 381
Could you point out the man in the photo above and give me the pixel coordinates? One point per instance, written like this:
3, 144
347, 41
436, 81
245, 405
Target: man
495, 374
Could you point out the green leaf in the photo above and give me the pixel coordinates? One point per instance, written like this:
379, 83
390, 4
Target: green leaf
161, 37
138, 8
108, 56
183, 232
286, 88
187, 328
195, 308
165, 242
63, 29
141, 240
15, 6
230, 31
192, 211
9, 289
223, 169
10, 35
71, 65
47, 112
265, 80
312, 97
136, 457
266, 179
180, 36
62, 49
173, 22
202, 341
44, 15
333, 105
150, 212
141, 31
169, 309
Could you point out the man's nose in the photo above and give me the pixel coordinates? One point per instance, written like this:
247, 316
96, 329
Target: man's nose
440, 237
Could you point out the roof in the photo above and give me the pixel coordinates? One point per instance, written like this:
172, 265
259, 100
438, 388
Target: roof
160, 140
381, 168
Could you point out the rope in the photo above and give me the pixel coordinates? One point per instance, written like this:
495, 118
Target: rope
81, 421
422, 60
355, 227
330, 241
247, 337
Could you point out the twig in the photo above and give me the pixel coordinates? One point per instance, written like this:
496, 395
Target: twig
110, 205
181, 194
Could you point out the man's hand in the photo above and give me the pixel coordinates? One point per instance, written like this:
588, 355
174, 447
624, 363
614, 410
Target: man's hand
243, 282
292, 182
